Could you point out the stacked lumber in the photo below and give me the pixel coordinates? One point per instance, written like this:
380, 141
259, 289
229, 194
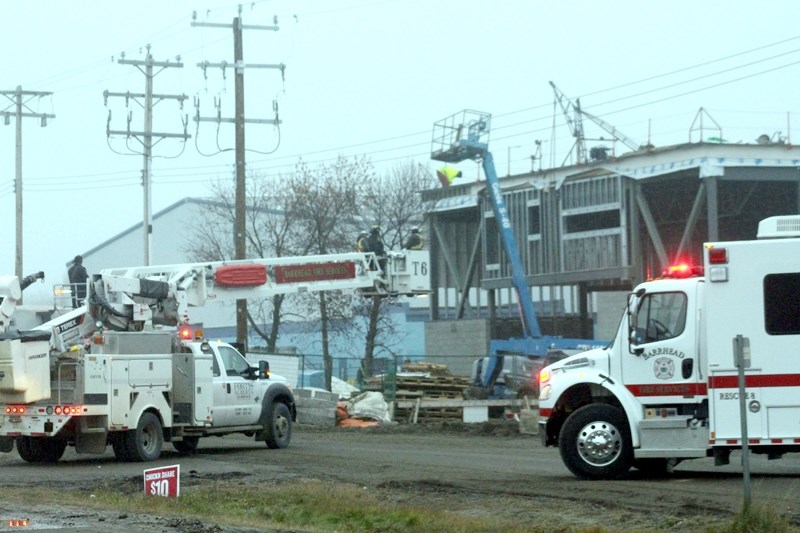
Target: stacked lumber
430, 387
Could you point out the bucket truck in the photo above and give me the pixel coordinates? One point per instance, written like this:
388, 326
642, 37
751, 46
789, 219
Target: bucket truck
126, 369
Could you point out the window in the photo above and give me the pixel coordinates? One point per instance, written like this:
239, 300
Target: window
782, 304
235, 364
660, 316
592, 221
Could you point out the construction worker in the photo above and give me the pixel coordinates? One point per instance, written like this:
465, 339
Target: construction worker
77, 280
414, 241
447, 174
361, 243
375, 245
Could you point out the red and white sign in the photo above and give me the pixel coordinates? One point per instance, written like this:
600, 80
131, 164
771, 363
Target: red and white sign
164, 481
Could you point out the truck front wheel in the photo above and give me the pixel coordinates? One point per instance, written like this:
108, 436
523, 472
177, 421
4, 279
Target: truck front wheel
279, 426
143, 443
595, 442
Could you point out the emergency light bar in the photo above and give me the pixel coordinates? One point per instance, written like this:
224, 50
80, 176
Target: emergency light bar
682, 271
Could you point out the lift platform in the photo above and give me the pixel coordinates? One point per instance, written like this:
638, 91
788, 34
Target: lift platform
463, 135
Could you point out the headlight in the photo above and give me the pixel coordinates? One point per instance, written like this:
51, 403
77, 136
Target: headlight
545, 392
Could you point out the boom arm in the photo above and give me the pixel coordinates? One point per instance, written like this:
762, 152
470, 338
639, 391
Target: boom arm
136, 298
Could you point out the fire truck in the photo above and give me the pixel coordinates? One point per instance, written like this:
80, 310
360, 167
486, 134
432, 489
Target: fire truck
667, 388
125, 369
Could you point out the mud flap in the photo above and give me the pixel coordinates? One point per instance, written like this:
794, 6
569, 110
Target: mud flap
6, 444
91, 442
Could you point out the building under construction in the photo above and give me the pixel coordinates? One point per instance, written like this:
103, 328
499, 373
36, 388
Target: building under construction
587, 233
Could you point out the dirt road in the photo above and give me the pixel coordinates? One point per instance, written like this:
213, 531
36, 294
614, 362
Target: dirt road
479, 470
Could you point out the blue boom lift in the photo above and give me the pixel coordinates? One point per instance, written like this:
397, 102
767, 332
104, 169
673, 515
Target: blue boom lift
462, 136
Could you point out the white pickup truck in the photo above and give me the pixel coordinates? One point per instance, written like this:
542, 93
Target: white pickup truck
135, 390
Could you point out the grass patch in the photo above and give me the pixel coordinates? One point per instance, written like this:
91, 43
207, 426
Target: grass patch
316, 506
304, 506
756, 519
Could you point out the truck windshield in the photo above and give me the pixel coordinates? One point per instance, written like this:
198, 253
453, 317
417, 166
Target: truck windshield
660, 316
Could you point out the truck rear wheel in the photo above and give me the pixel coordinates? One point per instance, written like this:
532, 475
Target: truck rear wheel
39, 450
279, 426
595, 442
141, 444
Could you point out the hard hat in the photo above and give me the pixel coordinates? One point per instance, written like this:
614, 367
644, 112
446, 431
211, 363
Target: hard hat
375, 228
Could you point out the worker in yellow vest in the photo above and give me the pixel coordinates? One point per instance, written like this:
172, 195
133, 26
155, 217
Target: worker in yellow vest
447, 174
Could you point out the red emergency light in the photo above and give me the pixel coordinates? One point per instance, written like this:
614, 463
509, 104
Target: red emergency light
188, 333
15, 409
185, 333
682, 270
717, 256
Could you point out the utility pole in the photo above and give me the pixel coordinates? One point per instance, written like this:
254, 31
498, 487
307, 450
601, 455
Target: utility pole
147, 100
20, 99
239, 120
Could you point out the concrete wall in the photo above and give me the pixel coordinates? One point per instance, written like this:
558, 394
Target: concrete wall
457, 343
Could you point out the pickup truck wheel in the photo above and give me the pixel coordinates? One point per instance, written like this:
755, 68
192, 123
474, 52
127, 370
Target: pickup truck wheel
38, 450
144, 443
595, 442
279, 426
187, 445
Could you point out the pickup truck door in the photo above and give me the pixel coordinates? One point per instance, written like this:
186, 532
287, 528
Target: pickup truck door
237, 399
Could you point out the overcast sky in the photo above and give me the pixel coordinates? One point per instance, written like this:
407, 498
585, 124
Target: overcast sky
362, 77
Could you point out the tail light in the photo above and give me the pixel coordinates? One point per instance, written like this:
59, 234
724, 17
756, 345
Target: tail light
65, 410
15, 409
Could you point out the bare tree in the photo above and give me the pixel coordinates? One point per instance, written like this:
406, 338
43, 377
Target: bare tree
395, 204
327, 202
269, 233
318, 210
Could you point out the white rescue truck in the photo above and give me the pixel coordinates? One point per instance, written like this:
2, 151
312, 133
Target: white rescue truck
667, 387
125, 370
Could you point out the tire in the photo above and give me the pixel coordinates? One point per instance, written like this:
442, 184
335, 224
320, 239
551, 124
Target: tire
144, 443
119, 445
39, 450
278, 428
595, 442
24, 450
187, 445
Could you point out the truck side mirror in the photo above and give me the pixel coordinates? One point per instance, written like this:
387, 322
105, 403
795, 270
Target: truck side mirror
633, 335
263, 370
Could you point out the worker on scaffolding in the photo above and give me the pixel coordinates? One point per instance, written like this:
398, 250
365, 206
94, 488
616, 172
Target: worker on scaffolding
447, 175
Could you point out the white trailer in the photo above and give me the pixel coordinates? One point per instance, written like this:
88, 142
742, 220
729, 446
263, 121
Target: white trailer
667, 389
127, 370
